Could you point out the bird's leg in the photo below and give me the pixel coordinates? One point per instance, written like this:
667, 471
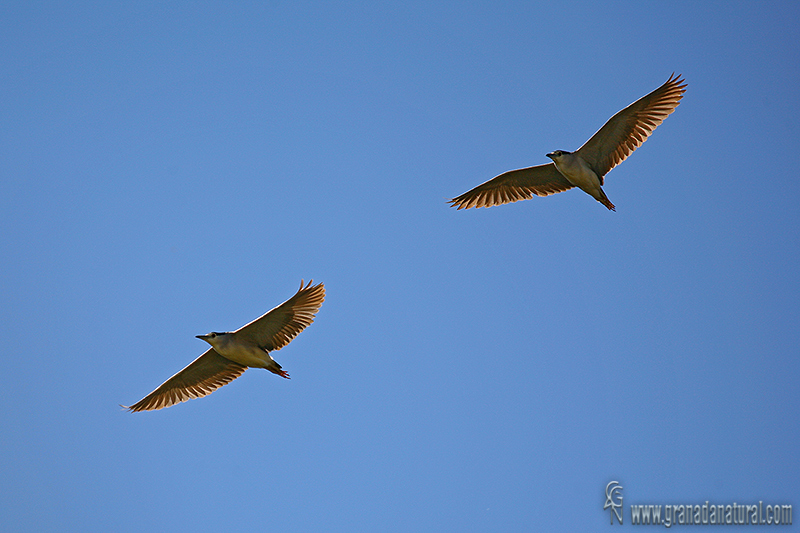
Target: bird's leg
275, 368
606, 202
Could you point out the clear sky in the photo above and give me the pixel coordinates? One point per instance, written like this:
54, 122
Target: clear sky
174, 168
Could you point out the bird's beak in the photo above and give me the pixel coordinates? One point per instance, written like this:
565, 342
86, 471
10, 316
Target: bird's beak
203, 337
550, 155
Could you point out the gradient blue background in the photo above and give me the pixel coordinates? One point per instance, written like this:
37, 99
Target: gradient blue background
170, 169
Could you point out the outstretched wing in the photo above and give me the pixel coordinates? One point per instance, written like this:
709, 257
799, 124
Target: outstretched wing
200, 378
278, 327
628, 129
514, 185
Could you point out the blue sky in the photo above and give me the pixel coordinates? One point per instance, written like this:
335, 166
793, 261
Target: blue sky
169, 169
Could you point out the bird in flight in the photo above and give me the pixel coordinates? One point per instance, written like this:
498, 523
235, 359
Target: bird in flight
233, 351
586, 167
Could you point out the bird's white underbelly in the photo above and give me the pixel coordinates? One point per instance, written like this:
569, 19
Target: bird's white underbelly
580, 175
249, 356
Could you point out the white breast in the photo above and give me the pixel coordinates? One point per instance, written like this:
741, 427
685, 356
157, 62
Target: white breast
578, 173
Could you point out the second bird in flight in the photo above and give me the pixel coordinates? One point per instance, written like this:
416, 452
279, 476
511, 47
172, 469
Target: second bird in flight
584, 168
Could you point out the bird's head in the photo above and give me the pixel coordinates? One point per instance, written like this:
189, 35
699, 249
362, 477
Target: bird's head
558, 153
213, 338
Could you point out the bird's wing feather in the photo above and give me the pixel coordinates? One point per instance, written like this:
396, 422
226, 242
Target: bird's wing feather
201, 377
628, 129
278, 327
514, 185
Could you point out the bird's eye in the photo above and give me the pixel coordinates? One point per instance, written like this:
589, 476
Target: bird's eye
213, 335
